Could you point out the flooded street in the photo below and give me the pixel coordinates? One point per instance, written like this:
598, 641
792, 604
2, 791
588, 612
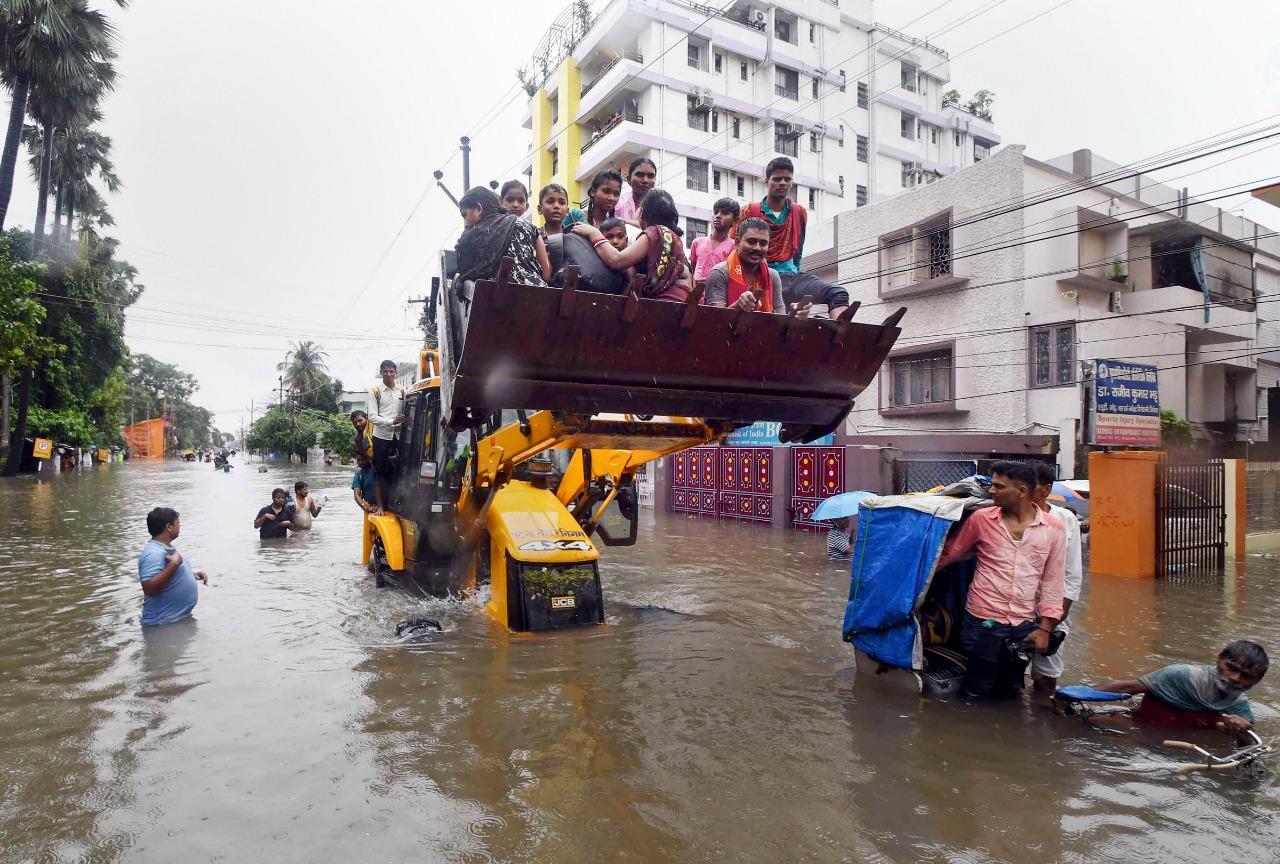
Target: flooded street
713, 718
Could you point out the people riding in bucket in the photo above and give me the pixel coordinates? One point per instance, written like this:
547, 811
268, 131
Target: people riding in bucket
493, 234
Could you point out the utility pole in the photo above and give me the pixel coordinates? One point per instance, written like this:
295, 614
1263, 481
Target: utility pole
466, 163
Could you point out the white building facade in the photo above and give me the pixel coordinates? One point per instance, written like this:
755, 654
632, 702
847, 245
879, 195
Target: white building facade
711, 96
1016, 272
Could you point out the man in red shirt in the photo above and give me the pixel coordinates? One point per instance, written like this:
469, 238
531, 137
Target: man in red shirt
1016, 592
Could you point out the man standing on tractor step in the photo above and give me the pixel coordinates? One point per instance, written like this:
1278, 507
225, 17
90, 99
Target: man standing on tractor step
386, 413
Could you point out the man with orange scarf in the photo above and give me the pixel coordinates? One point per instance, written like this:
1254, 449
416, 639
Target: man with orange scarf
787, 222
745, 280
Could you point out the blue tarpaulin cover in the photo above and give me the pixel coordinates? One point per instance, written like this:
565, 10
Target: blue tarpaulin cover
898, 543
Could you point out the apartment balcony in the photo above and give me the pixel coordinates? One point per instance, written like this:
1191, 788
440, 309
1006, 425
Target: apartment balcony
1186, 307
1096, 245
599, 76
613, 122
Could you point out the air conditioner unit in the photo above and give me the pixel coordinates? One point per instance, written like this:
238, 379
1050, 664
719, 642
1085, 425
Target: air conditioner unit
1114, 303
789, 131
759, 17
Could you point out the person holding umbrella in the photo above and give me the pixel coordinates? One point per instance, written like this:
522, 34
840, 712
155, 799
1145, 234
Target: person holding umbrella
839, 510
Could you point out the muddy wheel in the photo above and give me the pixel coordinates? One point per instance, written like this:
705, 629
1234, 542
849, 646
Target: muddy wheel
378, 563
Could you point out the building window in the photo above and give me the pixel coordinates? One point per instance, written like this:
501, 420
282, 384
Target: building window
786, 83
864, 148
1053, 353
696, 174
933, 135
908, 126
698, 50
909, 175
698, 113
737, 127
916, 254
715, 180
742, 70
813, 199
715, 121
785, 26
956, 136
555, 112
861, 196
863, 96
909, 78
842, 81
555, 161
742, 188
815, 89
813, 34
841, 179
695, 228
719, 62
921, 379
981, 150
785, 138
815, 142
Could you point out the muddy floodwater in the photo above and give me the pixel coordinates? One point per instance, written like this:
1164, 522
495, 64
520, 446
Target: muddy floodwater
715, 717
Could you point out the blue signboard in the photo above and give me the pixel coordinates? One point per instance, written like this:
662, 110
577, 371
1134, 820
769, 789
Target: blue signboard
765, 434
1126, 404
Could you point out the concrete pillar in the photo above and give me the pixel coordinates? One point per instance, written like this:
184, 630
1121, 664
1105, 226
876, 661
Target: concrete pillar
1237, 511
1122, 503
662, 484
568, 132
781, 506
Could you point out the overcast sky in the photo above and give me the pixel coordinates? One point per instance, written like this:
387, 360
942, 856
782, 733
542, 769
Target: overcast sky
272, 151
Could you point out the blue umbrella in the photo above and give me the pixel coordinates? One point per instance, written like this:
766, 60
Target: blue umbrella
840, 506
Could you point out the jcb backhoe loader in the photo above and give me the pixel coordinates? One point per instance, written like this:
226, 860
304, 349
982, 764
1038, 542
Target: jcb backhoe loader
490, 489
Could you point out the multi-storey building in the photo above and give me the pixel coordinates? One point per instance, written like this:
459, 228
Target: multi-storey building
711, 94
1015, 270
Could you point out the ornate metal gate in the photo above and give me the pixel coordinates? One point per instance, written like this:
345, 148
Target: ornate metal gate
816, 473
694, 487
1191, 518
746, 483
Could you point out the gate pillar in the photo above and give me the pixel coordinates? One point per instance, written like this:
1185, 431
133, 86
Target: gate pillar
1122, 513
1237, 515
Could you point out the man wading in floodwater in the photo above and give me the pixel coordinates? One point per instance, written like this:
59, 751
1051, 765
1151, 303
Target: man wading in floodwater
1017, 588
168, 585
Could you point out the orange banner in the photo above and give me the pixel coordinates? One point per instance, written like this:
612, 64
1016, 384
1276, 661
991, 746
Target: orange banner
145, 439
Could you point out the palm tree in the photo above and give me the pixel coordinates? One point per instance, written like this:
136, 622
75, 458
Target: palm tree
305, 369
51, 43
79, 152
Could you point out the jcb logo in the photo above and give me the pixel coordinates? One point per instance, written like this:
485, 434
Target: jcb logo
563, 602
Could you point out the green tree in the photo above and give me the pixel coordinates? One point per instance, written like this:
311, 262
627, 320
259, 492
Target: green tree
21, 318
53, 44
284, 432
951, 97
981, 103
306, 367
1175, 432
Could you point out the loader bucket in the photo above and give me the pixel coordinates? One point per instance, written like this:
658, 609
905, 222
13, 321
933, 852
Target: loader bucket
572, 351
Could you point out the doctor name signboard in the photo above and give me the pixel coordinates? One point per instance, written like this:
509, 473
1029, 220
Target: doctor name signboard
1126, 404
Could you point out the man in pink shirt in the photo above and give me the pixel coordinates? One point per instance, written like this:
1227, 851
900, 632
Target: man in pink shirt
1016, 594
707, 252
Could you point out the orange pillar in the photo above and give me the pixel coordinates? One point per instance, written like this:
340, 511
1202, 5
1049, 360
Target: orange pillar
1122, 513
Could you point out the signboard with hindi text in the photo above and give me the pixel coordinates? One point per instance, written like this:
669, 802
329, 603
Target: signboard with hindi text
1126, 404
